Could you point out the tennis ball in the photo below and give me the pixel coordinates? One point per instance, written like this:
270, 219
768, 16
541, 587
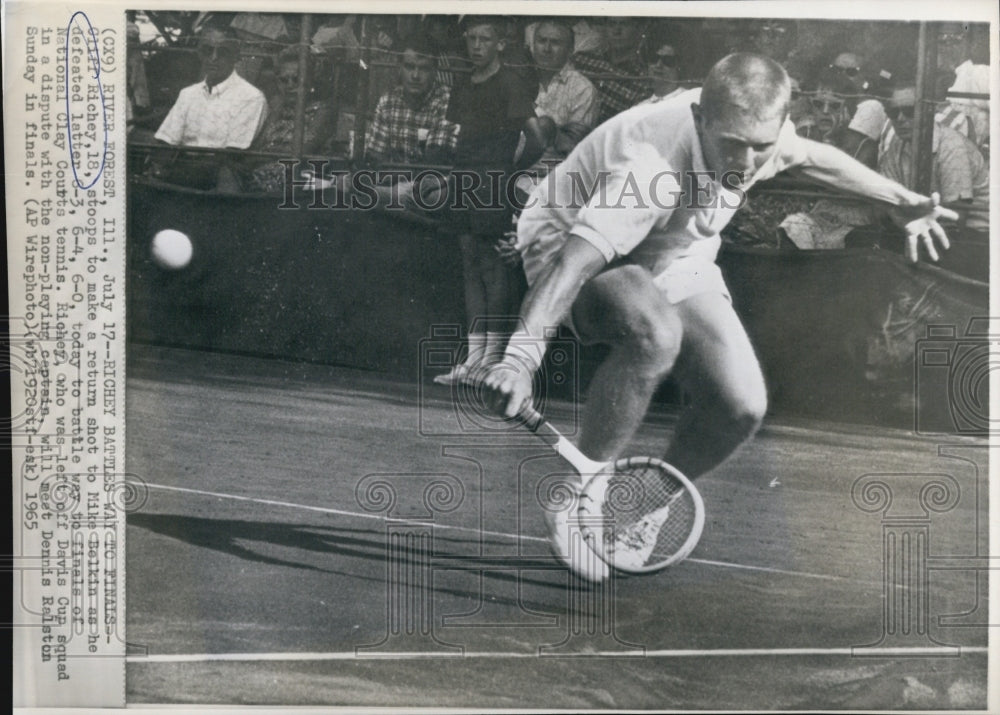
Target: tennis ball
171, 249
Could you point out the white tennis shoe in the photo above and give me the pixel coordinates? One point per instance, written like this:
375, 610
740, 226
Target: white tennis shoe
569, 539
633, 545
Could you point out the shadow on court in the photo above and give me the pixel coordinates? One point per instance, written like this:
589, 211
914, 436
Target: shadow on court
253, 541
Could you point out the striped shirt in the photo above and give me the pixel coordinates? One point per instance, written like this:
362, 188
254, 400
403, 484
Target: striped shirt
958, 171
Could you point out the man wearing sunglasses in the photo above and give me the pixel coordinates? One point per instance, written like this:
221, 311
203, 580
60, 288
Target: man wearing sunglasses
958, 171
223, 111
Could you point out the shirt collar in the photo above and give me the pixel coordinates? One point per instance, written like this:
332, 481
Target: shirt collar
560, 77
222, 86
697, 157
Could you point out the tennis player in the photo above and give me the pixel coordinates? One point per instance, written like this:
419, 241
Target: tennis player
620, 243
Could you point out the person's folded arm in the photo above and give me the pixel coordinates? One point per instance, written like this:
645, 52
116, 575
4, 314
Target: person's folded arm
538, 135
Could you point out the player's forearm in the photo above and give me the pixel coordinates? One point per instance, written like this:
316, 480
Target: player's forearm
552, 296
830, 166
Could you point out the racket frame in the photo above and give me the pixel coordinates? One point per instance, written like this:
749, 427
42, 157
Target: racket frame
598, 476
592, 499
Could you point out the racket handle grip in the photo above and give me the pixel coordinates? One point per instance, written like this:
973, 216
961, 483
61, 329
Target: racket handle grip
530, 417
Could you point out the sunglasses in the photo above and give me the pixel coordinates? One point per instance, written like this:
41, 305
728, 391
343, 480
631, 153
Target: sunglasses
849, 71
827, 104
665, 60
895, 113
222, 52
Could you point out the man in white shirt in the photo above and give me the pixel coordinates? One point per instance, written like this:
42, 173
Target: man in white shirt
223, 111
567, 103
620, 241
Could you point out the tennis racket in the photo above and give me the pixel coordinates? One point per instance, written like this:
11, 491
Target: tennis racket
638, 514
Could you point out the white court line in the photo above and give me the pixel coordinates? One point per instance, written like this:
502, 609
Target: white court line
942, 651
503, 534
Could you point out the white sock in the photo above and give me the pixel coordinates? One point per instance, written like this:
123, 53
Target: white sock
477, 348
495, 344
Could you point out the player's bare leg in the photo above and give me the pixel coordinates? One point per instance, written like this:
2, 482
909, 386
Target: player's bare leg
717, 367
623, 309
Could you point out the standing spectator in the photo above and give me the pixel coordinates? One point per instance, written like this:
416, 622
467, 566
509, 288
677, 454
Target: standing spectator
379, 37
410, 124
443, 34
492, 106
516, 54
221, 111
628, 86
567, 102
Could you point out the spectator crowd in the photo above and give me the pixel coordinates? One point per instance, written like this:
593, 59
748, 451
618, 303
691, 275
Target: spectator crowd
506, 95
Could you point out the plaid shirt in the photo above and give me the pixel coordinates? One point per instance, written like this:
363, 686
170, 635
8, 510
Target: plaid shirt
406, 134
617, 95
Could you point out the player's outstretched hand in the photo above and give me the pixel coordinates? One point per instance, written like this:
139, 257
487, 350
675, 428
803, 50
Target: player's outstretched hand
508, 386
919, 219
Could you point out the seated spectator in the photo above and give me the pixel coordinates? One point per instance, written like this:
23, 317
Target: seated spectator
221, 111
319, 121
860, 138
964, 50
278, 130
958, 171
619, 72
823, 112
137, 86
588, 36
663, 70
567, 102
949, 114
338, 40
410, 124
774, 38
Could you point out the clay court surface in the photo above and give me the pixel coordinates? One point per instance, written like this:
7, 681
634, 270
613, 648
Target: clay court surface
293, 549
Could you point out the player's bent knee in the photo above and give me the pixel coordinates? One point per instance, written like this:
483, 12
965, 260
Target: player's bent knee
747, 410
654, 340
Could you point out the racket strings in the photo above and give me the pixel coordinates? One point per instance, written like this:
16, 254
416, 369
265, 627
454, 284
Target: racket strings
648, 514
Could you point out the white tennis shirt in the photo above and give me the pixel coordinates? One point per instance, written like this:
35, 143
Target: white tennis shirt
638, 186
